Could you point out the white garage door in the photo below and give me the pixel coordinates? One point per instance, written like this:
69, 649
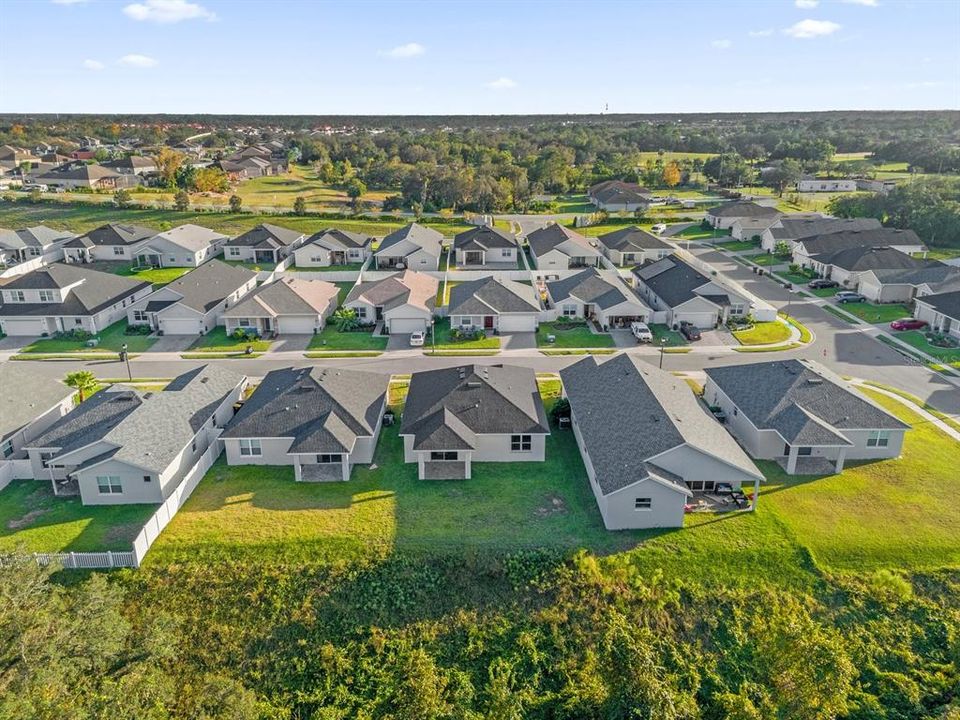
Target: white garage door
406, 325
517, 323
180, 326
296, 325
703, 320
31, 326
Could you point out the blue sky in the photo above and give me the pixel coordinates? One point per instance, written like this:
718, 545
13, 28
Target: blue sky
288, 56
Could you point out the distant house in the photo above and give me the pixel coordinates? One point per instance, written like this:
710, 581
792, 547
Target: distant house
619, 196
632, 246
114, 241
25, 415
751, 229
848, 266
556, 247
132, 165
288, 306
484, 245
194, 303
123, 446
333, 247
647, 443
61, 298
724, 216
807, 249
413, 246
405, 302
183, 246
810, 185
497, 305
19, 246
264, 243
875, 186
322, 421
802, 415
942, 311
75, 176
790, 228
902, 286
602, 298
457, 416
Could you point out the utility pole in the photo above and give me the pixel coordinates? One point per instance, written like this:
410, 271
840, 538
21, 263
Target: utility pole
663, 344
125, 357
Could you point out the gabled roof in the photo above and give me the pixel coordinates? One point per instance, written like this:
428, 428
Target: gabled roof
90, 421
744, 208
861, 258
409, 287
632, 239
484, 238
606, 185
792, 228
409, 239
191, 237
446, 409
562, 239
617, 194
336, 239
672, 279
71, 171
629, 412
266, 235
947, 303
324, 410
936, 275
113, 234
489, 295
131, 162
877, 237
37, 236
589, 286
19, 408
90, 290
209, 285
286, 296
802, 400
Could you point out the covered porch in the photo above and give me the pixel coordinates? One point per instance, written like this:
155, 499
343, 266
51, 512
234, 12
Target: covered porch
444, 464
813, 459
325, 467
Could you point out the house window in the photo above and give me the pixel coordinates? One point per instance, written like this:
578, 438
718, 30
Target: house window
316, 259
701, 485
47, 296
109, 485
506, 252
327, 458
117, 250
233, 251
642, 503
16, 296
78, 321
147, 478
805, 451
443, 455
361, 312
520, 443
569, 310
736, 309
173, 259
139, 316
45, 457
193, 445
6, 449
878, 438
250, 447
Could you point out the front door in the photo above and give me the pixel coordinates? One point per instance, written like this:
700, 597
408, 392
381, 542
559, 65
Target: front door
488, 322
268, 324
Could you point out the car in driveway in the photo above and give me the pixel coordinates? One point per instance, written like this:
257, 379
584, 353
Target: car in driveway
822, 284
690, 331
846, 296
908, 324
417, 338
659, 228
641, 331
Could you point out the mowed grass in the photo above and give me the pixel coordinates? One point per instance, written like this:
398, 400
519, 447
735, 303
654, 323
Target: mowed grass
738, 245
32, 518
330, 338
763, 333
217, 341
768, 259
112, 339
157, 276
917, 339
446, 341
871, 313
571, 336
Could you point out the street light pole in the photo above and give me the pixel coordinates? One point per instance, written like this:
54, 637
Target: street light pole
433, 334
663, 344
125, 357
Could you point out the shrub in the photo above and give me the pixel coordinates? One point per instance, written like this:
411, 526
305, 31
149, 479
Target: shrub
236, 202
137, 330
181, 201
36, 196
300, 205
77, 334
122, 198
244, 334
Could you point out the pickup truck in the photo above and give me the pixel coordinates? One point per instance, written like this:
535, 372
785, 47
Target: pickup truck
641, 332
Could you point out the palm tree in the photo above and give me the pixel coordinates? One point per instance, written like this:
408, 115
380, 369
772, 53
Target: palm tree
83, 381
346, 319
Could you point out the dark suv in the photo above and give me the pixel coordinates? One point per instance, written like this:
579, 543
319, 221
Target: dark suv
822, 283
690, 331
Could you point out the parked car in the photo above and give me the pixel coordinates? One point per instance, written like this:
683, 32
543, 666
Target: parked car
846, 296
35, 186
908, 324
658, 228
690, 331
820, 283
417, 337
641, 332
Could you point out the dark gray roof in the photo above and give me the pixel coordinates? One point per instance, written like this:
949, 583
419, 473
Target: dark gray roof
90, 421
672, 279
95, 291
878, 237
209, 285
629, 412
266, 235
486, 295
25, 394
37, 236
794, 228
631, 239
934, 274
483, 238
618, 194
803, 401
113, 234
72, 171
409, 239
557, 237
336, 239
744, 208
446, 409
947, 303
324, 410
590, 287
860, 258
131, 162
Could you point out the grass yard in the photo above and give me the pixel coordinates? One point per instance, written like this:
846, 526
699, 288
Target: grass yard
768, 260
157, 276
574, 204
795, 278
832, 309
446, 341
673, 338
738, 245
916, 338
343, 289
443, 292
257, 266
871, 313
346, 267
823, 292
32, 517
764, 333
217, 341
943, 253
571, 336
112, 338
332, 339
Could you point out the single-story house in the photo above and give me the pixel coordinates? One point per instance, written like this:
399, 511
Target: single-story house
456, 416
619, 196
503, 306
647, 442
632, 246
405, 302
603, 298
288, 306
18, 246
413, 246
124, 446
30, 402
264, 243
183, 246
333, 247
724, 216
684, 294
806, 248
790, 228
942, 311
485, 245
801, 415
113, 241
194, 303
74, 176
847, 266
60, 298
751, 228
876, 186
556, 247
132, 165
809, 185
323, 421
902, 286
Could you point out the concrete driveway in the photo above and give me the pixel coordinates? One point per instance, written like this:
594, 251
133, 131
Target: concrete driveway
286, 343
519, 341
399, 341
173, 343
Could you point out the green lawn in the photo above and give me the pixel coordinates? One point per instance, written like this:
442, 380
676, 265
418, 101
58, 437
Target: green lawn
217, 341
574, 204
346, 267
871, 313
332, 339
571, 336
738, 245
673, 338
832, 309
823, 292
112, 339
764, 333
344, 289
943, 253
443, 292
258, 266
446, 341
917, 339
32, 517
698, 232
157, 276
795, 278
768, 259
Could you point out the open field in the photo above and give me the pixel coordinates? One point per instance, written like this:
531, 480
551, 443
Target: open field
112, 338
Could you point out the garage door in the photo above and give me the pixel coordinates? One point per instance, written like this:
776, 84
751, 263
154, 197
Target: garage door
180, 326
31, 326
703, 320
406, 325
517, 323
296, 325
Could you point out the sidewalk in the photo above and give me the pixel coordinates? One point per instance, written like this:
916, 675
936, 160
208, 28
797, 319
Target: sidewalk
928, 417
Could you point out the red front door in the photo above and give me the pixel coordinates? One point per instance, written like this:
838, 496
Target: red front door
488, 322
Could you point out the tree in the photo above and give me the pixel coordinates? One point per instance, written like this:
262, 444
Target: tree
299, 205
36, 196
236, 202
210, 179
122, 198
83, 381
671, 174
728, 169
346, 319
181, 201
355, 189
168, 161
785, 175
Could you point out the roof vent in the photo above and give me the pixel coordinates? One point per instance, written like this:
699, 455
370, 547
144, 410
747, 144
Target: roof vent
474, 384
815, 380
148, 395
204, 379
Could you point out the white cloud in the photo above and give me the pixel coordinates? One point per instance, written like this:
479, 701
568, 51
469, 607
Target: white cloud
806, 29
405, 51
93, 65
865, 3
806, 4
167, 11
721, 44
761, 33
139, 61
501, 83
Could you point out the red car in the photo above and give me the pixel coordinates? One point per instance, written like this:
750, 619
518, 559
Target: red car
908, 324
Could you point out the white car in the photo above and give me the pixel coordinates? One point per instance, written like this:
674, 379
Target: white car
417, 337
658, 228
641, 332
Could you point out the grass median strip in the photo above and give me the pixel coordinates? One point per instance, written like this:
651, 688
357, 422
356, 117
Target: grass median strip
763, 333
344, 353
943, 417
773, 348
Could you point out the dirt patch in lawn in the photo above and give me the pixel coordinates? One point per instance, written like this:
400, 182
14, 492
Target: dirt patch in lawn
553, 505
119, 533
26, 520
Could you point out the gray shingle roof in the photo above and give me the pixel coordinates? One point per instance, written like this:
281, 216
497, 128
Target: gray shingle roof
25, 395
860, 258
803, 401
336, 239
90, 421
673, 280
37, 236
934, 274
489, 295
192, 237
947, 303
483, 238
878, 237
209, 285
95, 291
409, 239
557, 237
794, 228
113, 234
266, 235
632, 239
417, 289
743, 208
629, 412
286, 296
78, 172
447, 408
324, 410
590, 286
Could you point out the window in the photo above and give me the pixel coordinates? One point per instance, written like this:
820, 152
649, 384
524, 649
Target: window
45, 457
147, 478
329, 458
506, 252
736, 309
243, 322
173, 259
109, 485
520, 443
701, 485
6, 449
569, 310
47, 296
78, 321
805, 451
642, 504
117, 250
233, 251
361, 312
443, 455
250, 447
878, 438
139, 316
16, 296
193, 445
